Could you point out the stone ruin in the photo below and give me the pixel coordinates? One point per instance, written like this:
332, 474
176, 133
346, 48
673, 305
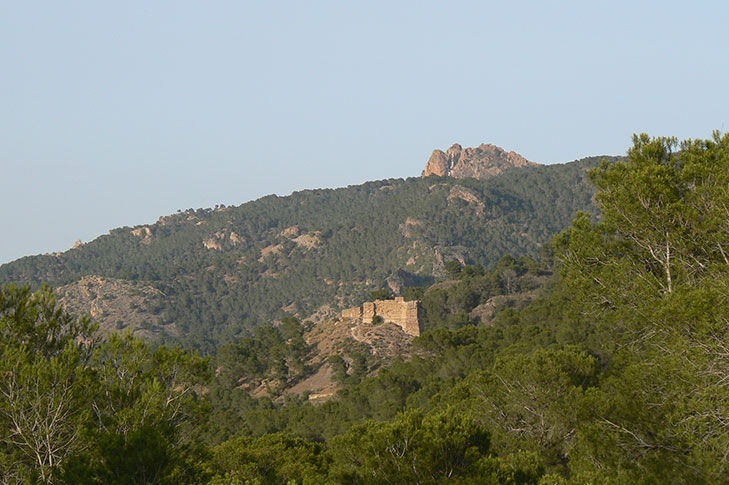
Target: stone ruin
405, 314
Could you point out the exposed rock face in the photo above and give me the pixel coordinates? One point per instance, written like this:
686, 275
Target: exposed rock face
272, 249
117, 305
290, 232
144, 233
458, 192
333, 336
439, 164
481, 162
214, 242
309, 241
235, 239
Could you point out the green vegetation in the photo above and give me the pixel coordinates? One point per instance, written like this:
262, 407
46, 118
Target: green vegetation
450, 304
652, 277
275, 352
76, 410
613, 373
319, 245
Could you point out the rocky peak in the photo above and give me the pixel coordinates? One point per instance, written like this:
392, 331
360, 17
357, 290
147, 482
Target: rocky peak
481, 162
438, 164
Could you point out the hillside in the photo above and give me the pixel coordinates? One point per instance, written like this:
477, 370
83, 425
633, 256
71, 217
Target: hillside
315, 360
601, 363
208, 276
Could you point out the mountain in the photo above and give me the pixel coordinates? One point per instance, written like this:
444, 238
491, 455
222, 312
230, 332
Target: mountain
481, 162
522, 374
209, 276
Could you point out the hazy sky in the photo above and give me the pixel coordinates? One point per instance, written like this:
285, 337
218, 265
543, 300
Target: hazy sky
114, 113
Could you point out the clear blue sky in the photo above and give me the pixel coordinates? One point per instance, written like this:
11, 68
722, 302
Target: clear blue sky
114, 113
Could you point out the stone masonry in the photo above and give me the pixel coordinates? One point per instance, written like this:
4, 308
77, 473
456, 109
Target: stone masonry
406, 314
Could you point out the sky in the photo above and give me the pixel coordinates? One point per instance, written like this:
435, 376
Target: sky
115, 113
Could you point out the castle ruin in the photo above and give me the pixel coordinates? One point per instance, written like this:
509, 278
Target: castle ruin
405, 314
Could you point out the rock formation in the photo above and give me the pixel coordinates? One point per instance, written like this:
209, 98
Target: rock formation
214, 242
481, 162
458, 192
144, 233
235, 239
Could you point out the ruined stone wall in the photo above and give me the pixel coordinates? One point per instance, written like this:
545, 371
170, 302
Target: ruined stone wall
406, 314
412, 321
355, 312
368, 310
393, 311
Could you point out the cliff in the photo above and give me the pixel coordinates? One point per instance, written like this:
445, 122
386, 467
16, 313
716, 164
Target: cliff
481, 162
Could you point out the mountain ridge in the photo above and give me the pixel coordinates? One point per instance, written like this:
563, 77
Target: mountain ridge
212, 275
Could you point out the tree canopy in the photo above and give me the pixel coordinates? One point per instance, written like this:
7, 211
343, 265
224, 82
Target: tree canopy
652, 276
613, 372
74, 409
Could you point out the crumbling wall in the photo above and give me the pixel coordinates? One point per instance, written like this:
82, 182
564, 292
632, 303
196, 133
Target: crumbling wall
406, 314
355, 312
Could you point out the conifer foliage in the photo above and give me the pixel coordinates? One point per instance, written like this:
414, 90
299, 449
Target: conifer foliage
77, 410
652, 277
613, 372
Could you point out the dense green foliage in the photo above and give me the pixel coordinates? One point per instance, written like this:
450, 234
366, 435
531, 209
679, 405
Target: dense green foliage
275, 352
616, 374
357, 237
449, 304
652, 277
76, 410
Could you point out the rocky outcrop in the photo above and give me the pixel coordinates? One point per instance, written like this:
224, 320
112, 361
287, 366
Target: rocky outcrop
236, 239
290, 232
144, 233
216, 241
470, 197
309, 241
117, 305
334, 336
481, 162
407, 227
270, 250
439, 164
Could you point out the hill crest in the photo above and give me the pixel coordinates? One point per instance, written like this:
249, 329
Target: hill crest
205, 277
480, 162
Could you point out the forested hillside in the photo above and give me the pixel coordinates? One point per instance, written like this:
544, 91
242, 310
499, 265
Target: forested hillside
615, 374
204, 277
